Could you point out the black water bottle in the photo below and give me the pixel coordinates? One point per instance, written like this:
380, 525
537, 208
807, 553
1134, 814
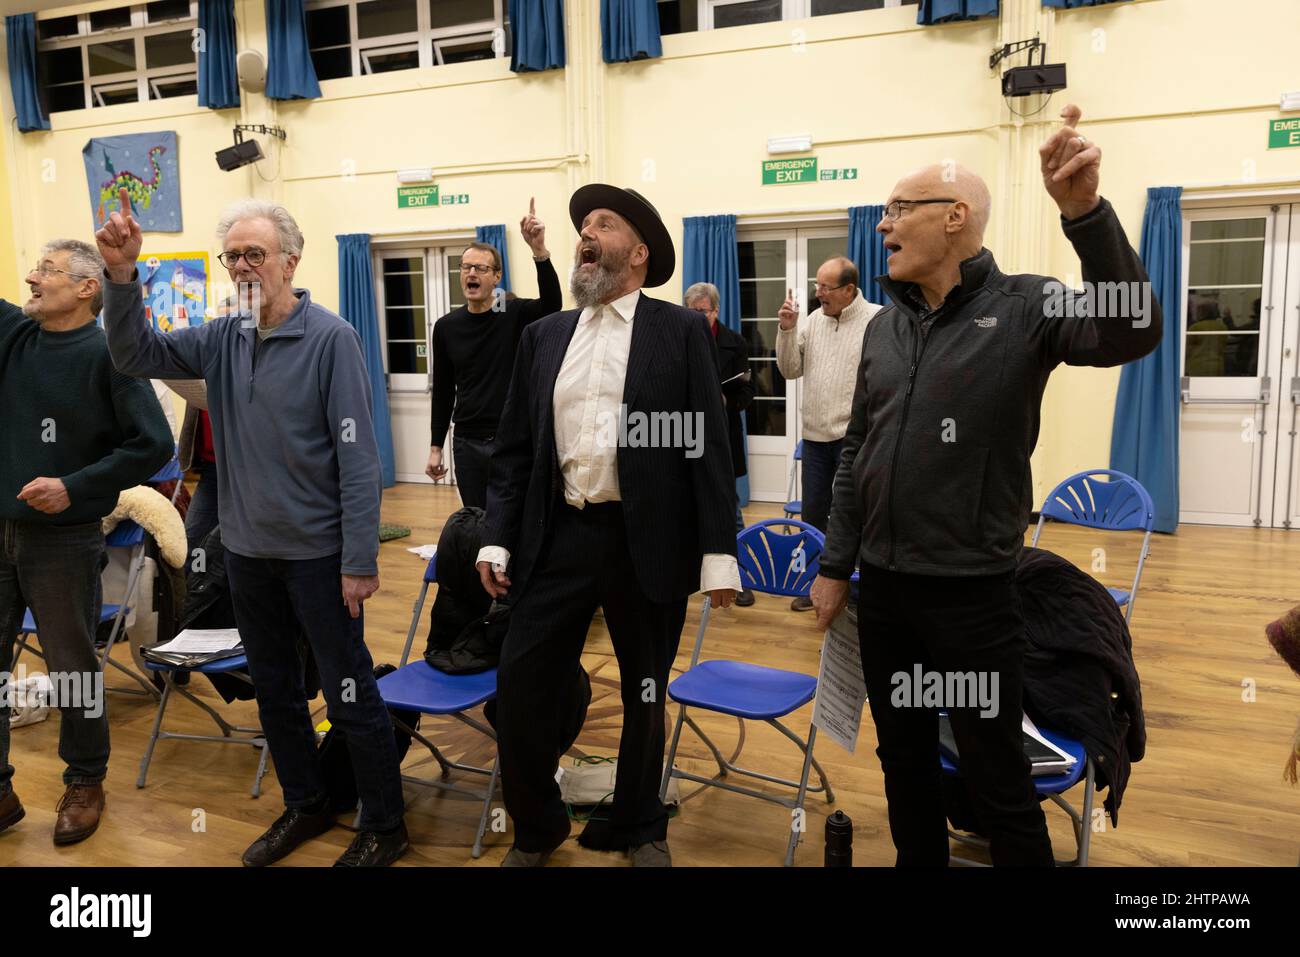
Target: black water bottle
839, 840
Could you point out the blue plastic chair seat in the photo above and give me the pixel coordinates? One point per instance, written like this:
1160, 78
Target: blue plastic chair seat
742, 689
1048, 783
421, 687
1120, 595
106, 613
795, 507
220, 666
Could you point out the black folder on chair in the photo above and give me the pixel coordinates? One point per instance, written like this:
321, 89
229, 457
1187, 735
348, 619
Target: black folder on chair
1043, 760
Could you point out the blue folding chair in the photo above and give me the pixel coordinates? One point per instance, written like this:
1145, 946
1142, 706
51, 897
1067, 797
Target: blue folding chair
779, 564
1051, 786
419, 686
1118, 504
794, 505
230, 733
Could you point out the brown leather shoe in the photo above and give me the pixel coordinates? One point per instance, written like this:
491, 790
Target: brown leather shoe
79, 811
11, 811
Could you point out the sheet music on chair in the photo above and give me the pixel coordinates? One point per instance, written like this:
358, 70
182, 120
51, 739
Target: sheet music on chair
200, 641
841, 689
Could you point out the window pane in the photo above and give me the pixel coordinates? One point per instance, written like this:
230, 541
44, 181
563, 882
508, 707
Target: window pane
180, 86
752, 11
161, 10
403, 264
1226, 264
401, 323
1223, 310
401, 358
760, 335
70, 96
820, 7
457, 297
1216, 355
766, 417
58, 27
383, 18
1228, 229
115, 57
169, 49
388, 60
114, 94
328, 27
59, 66
110, 19
332, 64
464, 52
762, 298
761, 258
403, 291
768, 380
455, 13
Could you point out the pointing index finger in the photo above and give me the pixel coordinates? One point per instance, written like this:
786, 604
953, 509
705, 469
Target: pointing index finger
1071, 114
532, 207
124, 201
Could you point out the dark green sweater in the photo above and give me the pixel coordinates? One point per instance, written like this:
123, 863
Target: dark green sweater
66, 413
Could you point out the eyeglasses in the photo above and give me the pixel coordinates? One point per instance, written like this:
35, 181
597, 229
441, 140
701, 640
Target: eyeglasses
44, 271
477, 268
895, 209
821, 289
254, 257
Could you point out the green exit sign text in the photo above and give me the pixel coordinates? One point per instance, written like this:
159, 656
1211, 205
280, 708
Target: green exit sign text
1283, 133
785, 171
411, 196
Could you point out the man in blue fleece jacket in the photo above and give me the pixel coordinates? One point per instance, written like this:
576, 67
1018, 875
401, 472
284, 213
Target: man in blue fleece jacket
298, 505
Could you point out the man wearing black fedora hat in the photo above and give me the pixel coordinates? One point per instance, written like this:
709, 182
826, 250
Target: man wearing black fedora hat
611, 486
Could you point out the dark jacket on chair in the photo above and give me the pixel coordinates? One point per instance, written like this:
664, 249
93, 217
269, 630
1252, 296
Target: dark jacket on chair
676, 509
1080, 678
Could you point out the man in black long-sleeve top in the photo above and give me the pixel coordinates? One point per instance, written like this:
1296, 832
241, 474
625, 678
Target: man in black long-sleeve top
474, 353
933, 490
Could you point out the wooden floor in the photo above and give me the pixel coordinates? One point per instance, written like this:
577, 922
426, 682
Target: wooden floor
1210, 791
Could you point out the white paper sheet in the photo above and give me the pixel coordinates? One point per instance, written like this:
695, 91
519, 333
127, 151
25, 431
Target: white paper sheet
201, 641
841, 691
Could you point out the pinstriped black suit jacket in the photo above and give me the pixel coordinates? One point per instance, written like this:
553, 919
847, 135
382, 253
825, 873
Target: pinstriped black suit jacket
677, 509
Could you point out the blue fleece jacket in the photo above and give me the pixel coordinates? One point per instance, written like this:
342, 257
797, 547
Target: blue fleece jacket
297, 462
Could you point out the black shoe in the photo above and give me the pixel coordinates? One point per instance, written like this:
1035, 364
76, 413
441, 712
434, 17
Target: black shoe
802, 603
745, 598
372, 849
291, 828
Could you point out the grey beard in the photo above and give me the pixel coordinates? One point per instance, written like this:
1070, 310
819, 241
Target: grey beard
602, 285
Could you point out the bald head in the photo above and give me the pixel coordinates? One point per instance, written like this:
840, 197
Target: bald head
952, 180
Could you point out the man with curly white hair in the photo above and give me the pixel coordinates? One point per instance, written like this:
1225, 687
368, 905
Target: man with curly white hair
297, 502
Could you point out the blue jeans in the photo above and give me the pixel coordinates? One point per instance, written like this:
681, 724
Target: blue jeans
275, 600
820, 460
54, 570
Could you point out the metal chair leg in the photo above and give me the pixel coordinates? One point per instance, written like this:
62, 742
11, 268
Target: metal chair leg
153, 735
261, 765
801, 816
477, 851
672, 754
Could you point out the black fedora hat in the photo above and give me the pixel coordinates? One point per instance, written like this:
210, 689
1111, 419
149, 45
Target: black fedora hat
636, 209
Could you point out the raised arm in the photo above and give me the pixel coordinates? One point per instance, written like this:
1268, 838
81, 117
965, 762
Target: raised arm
550, 298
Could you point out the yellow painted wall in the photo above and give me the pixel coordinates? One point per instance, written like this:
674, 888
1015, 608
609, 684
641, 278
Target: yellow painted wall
1176, 92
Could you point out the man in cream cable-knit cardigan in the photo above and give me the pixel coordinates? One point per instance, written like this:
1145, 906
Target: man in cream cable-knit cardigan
825, 349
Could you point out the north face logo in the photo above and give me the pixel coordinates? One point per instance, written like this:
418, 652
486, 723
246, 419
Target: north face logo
986, 322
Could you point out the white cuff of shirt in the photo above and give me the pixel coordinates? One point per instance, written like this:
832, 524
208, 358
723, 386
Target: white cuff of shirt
494, 555
719, 571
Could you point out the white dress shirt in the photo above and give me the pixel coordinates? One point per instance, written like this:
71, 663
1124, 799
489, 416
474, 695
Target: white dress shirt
585, 405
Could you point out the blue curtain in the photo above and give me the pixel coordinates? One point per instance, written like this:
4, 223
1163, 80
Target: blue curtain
1144, 434
629, 30
538, 27
289, 71
709, 255
947, 11
218, 81
1071, 4
357, 306
20, 31
496, 236
867, 250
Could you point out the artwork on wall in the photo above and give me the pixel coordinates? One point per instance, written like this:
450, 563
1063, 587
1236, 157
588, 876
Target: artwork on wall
145, 164
175, 289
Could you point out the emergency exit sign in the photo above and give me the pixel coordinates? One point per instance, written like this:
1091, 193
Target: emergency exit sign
1283, 133
411, 196
784, 171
